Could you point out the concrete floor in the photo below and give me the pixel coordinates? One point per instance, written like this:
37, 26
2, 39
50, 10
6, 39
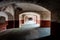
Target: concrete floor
31, 34
39, 33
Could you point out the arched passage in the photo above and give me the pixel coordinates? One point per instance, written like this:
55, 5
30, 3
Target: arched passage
43, 12
4, 20
23, 17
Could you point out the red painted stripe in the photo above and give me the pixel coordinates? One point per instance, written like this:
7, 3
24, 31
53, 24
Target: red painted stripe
45, 23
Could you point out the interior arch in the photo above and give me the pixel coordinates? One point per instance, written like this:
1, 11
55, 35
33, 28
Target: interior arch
4, 25
23, 17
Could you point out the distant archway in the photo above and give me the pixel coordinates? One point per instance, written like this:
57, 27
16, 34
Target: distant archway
23, 17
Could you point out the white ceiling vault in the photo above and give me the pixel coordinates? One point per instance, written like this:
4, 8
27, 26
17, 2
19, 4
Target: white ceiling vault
24, 5
32, 7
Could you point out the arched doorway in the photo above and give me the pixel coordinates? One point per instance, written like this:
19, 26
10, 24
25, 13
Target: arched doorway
4, 20
23, 17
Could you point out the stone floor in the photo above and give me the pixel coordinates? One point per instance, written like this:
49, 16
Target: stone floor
39, 33
31, 34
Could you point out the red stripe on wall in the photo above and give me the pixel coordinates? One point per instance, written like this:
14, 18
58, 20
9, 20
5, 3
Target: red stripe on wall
45, 23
